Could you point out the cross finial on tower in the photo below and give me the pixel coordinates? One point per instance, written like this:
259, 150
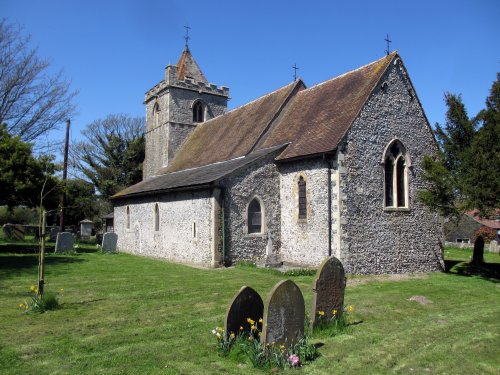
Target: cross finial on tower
186, 37
388, 42
295, 68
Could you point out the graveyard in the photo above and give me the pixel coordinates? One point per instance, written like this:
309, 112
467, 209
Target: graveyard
121, 313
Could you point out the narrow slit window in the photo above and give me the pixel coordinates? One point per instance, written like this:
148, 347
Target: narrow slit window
157, 218
127, 218
302, 198
254, 217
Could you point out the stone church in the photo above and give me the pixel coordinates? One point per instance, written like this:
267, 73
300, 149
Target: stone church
290, 177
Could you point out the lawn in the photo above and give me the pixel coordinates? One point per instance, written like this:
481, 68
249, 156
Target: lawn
123, 314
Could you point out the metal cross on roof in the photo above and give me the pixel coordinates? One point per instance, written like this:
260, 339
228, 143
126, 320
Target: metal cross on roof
186, 38
388, 41
295, 68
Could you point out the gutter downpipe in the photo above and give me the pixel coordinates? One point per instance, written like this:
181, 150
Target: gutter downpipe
329, 184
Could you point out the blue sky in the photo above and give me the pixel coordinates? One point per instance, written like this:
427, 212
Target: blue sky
114, 51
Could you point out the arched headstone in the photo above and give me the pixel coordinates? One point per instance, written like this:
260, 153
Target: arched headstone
247, 303
109, 241
478, 254
284, 313
328, 290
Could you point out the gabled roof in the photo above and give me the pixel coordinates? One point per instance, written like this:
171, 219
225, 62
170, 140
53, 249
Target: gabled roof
489, 222
195, 177
187, 67
233, 134
318, 117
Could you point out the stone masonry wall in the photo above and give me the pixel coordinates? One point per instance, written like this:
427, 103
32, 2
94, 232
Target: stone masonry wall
258, 180
305, 241
184, 234
378, 240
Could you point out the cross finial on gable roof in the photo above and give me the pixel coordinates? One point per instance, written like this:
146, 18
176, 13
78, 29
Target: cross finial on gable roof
388, 42
186, 37
295, 68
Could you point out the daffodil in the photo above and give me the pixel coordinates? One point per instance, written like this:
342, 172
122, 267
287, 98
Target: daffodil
232, 336
350, 309
252, 327
321, 313
334, 312
260, 320
241, 328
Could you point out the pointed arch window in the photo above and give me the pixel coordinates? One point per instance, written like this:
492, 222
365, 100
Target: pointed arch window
157, 218
198, 112
302, 198
127, 218
396, 176
156, 115
255, 217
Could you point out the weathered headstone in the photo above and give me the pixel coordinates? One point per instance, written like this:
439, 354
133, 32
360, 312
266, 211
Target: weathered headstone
109, 241
13, 232
328, 290
86, 227
284, 313
64, 242
247, 303
53, 233
493, 246
478, 253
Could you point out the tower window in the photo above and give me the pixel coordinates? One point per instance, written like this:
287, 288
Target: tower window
198, 112
127, 218
254, 217
396, 176
302, 198
156, 115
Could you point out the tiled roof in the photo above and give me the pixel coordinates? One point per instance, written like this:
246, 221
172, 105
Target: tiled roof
192, 178
187, 67
233, 134
490, 223
318, 117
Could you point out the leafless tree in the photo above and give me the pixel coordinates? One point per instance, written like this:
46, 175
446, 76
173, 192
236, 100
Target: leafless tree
32, 102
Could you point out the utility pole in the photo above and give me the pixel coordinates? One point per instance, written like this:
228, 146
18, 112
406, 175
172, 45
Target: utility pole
65, 175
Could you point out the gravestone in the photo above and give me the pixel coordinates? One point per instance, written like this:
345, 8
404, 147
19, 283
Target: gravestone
478, 253
109, 241
86, 227
64, 242
493, 246
53, 233
328, 290
284, 313
247, 303
13, 232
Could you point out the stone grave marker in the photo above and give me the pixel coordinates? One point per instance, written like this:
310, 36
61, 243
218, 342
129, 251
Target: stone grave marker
13, 232
64, 242
494, 246
86, 227
284, 313
328, 290
53, 233
247, 303
478, 252
109, 241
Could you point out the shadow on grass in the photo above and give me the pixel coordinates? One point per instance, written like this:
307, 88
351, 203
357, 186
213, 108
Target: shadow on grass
487, 271
12, 265
24, 248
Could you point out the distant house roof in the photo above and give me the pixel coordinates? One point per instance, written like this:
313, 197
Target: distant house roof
490, 223
308, 121
195, 177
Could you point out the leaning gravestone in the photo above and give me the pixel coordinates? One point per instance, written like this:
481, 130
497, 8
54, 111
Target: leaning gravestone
478, 253
328, 290
64, 242
247, 303
284, 313
109, 241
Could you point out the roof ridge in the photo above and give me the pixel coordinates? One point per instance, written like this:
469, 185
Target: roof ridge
392, 54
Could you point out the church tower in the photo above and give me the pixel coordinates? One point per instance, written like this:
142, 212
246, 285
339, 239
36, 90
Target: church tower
175, 106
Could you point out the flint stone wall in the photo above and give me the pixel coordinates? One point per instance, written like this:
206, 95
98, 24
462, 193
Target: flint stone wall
305, 241
261, 180
380, 241
175, 240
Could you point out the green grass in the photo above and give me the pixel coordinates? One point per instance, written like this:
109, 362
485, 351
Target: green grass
122, 314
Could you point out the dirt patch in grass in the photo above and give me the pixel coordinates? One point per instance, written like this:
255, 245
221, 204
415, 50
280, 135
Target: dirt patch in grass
420, 299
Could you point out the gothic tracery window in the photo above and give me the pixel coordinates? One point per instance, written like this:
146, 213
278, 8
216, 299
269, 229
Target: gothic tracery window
255, 216
198, 112
302, 198
395, 177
